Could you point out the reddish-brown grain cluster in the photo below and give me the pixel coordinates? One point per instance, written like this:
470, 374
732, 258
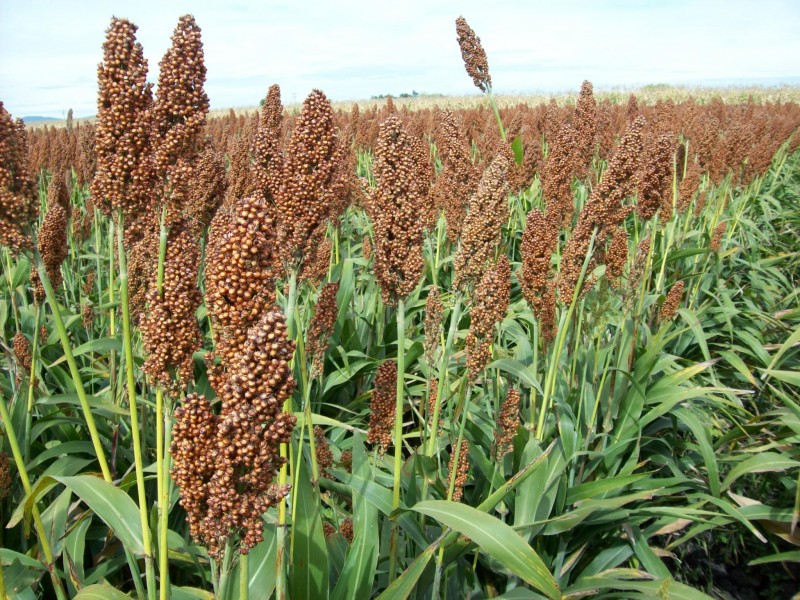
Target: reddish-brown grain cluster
321, 326
268, 160
323, 452
672, 302
434, 313
507, 423
18, 202
585, 129
5, 476
312, 180
461, 469
489, 307
395, 209
239, 275
179, 113
603, 213
225, 464
52, 238
474, 56
539, 241
170, 331
459, 178
124, 178
382, 407
481, 233
557, 176
655, 182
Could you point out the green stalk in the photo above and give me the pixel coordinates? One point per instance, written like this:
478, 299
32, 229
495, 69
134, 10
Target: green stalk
32, 385
127, 335
280, 559
496, 111
26, 485
244, 583
452, 485
398, 430
563, 326
73, 367
451, 333
162, 424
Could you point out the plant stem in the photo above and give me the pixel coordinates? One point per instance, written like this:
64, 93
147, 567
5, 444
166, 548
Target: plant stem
44, 542
398, 430
280, 559
73, 367
127, 335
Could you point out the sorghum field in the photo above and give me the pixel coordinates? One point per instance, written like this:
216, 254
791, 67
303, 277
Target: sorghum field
548, 351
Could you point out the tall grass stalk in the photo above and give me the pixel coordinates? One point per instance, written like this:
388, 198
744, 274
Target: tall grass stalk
127, 334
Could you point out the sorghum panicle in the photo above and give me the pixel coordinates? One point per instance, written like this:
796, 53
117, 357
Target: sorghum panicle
458, 178
489, 307
18, 200
382, 407
672, 302
395, 208
539, 241
311, 181
170, 331
481, 232
461, 470
321, 326
507, 423
474, 56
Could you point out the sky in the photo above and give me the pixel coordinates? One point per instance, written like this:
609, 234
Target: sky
49, 51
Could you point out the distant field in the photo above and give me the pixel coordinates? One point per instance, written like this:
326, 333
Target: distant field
647, 94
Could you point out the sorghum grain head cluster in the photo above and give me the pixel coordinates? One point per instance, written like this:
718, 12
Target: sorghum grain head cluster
461, 469
170, 331
268, 160
489, 307
383, 406
458, 178
395, 209
18, 201
672, 302
312, 181
474, 56
124, 177
507, 423
321, 326
539, 241
225, 464
481, 233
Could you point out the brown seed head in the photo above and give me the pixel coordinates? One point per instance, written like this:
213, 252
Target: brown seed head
18, 199
489, 307
539, 241
434, 312
395, 209
383, 406
124, 177
672, 302
585, 129
170, 332
507, 423
321, 326
481, 233
268, 159
461, 471
312, 181
473, 55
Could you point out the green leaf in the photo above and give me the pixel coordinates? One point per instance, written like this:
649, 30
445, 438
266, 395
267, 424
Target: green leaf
402, 587
112, 505
760, 463
101, 592
790, 377
703, 438
309, 574
516, 147
261, 567
358, 572
495, 538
